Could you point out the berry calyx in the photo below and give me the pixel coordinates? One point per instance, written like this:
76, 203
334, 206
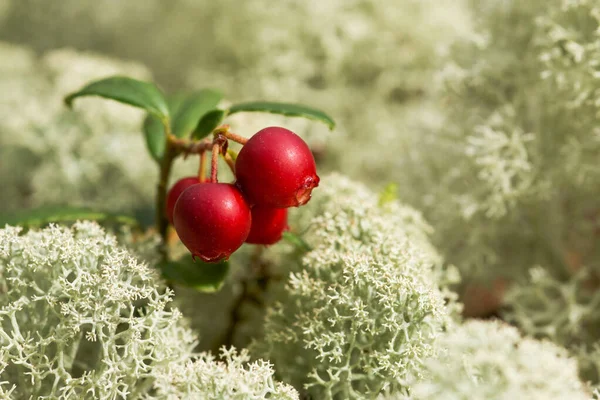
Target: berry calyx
176, 191
212, 220
276, 169
268, 224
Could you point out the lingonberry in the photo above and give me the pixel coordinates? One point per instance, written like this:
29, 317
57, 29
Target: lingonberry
275, 168
212, 220
176, 191
268, 225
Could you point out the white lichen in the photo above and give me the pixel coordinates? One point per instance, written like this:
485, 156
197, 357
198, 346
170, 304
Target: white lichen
491, 361
361, 310
80, 317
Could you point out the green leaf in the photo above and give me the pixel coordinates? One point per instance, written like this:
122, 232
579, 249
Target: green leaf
45, 215
204, 277
185, 109
156, 140
296, 240
126, 90
208, 123
290, 110
193, 107
388, 194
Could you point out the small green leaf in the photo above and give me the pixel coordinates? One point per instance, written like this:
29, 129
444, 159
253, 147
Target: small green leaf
156, 140
45, 215
126, 90
207, 123
290, 110
192, 109
296, 240
204, 277
388, 194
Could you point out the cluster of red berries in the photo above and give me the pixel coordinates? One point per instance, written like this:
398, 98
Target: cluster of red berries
274, 170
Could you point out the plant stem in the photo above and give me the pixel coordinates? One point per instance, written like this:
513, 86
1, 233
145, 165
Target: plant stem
162, 223
214, 165
229, 161
232, 136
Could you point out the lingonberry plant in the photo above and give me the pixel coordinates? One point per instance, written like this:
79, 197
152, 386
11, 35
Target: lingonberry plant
274, 169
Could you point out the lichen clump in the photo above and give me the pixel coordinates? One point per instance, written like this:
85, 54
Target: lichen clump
361, 310
81, 318
491, 361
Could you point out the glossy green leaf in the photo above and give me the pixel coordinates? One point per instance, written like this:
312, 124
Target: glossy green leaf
204, 277
296, 240
191, 110
186, 109
287, 109
156, 140
126, 90
208, 123
45, 215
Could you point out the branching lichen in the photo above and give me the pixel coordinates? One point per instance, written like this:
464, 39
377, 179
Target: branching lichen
81, 318
491, 361
361, 310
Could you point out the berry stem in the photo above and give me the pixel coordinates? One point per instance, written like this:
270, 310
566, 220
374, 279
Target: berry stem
230, 162
232, 136
190, 146
214, 165
202, 167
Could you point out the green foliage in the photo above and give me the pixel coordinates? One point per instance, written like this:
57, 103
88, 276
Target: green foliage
207, 123
199, 275
290, 110
126, 90
156, 138
192, 109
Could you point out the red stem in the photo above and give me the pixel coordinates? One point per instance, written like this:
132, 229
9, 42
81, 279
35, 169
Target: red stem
232, 136
214, 166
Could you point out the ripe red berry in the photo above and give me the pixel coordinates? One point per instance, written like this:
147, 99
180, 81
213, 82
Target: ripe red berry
268, 224
176, 191
275, 168
212, 220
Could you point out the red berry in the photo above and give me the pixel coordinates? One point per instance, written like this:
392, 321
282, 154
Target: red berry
275, 168
268, 225
176, 191
212, 220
